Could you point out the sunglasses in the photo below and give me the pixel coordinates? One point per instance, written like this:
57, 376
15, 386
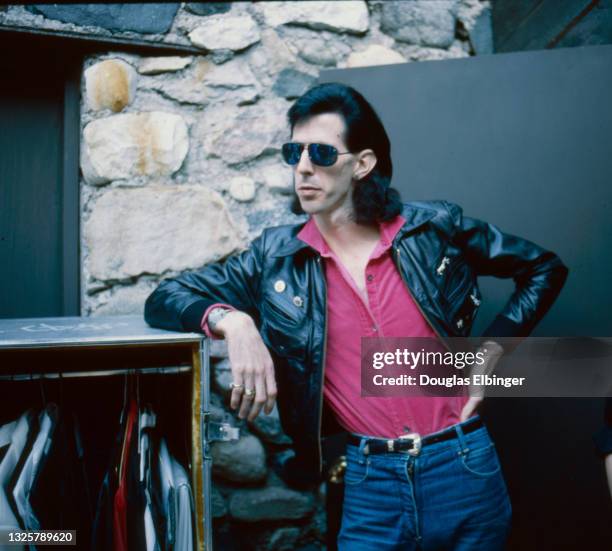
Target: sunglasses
321, 154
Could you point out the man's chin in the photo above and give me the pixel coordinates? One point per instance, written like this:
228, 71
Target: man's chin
299, 205
310, 207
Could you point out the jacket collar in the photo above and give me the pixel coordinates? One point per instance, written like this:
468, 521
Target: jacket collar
291, 247
414, 216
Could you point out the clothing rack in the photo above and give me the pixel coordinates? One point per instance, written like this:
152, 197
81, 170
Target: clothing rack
170, 370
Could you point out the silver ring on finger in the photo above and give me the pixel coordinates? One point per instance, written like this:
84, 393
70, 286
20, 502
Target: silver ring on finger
236, 386
249, 392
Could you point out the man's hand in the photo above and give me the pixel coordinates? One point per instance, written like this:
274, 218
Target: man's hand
494, 352
254, 385
470, 407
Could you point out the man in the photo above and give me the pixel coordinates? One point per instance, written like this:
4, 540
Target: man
294, 306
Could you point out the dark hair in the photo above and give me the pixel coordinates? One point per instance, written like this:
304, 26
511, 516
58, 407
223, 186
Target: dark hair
374, 200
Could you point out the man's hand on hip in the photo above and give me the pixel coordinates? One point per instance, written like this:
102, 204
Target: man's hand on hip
492, 351
254, 385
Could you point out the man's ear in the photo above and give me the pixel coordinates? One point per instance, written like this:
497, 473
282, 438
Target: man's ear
366, 161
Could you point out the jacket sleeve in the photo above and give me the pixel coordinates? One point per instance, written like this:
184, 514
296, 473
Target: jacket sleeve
179, 303
538, 274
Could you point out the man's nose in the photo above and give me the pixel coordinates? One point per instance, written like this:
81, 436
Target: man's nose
305, 165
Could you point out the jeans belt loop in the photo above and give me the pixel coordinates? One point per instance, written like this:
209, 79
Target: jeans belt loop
461, 438
364, 449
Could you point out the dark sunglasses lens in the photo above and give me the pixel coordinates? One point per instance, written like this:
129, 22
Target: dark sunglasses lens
322, 154
292, 153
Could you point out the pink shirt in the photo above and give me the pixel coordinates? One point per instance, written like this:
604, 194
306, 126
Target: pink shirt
389, 311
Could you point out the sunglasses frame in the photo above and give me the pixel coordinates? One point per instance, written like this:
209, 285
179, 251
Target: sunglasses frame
311, 153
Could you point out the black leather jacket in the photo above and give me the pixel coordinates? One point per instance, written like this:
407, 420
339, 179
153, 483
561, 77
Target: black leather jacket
435, 234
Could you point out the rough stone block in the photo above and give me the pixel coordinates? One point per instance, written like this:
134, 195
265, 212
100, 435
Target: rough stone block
239, 461
374, 55
151, 18
423, 22
268, 428
320, 48
271, 503
274, 55
237, 136
158, 65
206, 82
242, 188
292, 84
226, 32
124, 146
110, 84
125, 300
344, 16
208, 8
133, 231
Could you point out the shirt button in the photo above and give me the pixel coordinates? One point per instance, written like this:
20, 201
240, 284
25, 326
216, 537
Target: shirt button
375, 329
370, 277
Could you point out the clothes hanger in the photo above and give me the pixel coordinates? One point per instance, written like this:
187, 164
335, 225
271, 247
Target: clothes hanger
42, 390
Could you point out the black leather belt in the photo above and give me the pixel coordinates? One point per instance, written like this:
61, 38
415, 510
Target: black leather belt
413, 442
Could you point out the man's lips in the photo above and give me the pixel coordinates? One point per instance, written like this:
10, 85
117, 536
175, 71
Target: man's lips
308, 188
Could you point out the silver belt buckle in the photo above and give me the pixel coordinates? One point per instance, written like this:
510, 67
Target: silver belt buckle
416, 442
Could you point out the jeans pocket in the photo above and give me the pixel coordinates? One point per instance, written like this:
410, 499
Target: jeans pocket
356, 471
481, 461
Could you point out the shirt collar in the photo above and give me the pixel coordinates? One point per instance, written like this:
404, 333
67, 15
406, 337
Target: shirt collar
311, 235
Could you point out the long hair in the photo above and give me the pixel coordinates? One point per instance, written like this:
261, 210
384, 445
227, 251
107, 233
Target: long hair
374, 200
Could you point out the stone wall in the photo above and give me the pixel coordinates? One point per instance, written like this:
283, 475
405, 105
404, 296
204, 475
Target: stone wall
180, 167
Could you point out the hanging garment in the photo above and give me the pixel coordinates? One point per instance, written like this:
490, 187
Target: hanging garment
32, 467
102, 530
22, 436
120, 508
60, 482
147, 441
168, 495
8, 517
185, 518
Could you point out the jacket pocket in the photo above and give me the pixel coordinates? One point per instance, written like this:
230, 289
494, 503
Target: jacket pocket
281, 310
451, 273
287, 341
458, 280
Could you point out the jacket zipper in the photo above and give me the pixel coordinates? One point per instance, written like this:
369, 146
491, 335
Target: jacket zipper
399, 267
322, 369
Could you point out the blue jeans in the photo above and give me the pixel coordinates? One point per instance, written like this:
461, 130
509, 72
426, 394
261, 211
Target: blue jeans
450, 497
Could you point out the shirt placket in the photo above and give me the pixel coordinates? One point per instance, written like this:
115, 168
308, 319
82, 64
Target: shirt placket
369, 323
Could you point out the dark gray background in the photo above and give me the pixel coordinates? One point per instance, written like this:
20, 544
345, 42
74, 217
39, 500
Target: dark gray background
523, 140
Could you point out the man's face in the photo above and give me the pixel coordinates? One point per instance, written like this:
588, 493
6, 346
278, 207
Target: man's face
323, 189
